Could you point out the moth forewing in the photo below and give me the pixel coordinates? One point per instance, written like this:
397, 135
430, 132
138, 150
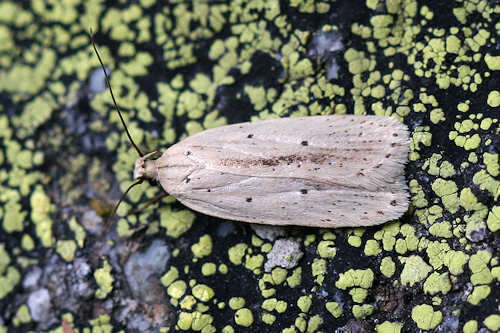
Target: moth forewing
325, 171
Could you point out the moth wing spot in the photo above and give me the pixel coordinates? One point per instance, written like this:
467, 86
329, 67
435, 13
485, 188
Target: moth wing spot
248, 199
303, 191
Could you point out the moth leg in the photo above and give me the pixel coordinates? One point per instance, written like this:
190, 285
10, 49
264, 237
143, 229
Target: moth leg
148, 203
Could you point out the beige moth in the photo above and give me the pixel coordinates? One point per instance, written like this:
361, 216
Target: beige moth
322, 171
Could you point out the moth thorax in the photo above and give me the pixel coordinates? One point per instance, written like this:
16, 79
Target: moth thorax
145, 168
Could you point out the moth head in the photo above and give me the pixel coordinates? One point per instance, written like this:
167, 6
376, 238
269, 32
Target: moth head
145, 166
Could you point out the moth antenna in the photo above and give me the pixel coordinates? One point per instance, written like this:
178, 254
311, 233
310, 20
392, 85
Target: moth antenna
151, 201
112, 95
123, 197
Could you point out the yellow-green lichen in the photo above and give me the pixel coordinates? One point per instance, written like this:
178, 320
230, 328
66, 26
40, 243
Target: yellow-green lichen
493, 62
319, 270
236, 303
470, 327
66, 249
243, 317
437, 283
358, 294
208, 269
176, 222
447, 191
478, 294
40, 215
295, 278
78, 231
101, 324
203, 248
492, 322
203, 292
278, 275
425, 317
22, 315
326, 249
334, 308
442, 229
193, 320
14, 217
254, 263
387, 267
170, 276
494, 99
355, 277
372, 248
478, 265
237, 252
27, 242
389, 327
304, 303
362, 311
177, 289
492, 165
104, 280
493, 220
415, 270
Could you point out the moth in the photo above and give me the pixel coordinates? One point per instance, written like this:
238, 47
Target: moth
319, 171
